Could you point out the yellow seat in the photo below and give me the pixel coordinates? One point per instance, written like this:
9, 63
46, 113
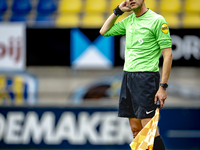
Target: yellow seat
95, 5
170, 6
93, 20
173, 20
67, 20
70, 5
191, 21
192, 6
114, 3
151, 4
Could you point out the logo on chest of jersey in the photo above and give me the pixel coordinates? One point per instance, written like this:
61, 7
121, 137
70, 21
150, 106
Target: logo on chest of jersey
164, 28
140, 41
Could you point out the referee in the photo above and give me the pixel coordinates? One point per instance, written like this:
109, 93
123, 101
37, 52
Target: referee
147, 35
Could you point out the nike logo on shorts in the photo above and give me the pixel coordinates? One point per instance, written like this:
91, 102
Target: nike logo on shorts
148, 112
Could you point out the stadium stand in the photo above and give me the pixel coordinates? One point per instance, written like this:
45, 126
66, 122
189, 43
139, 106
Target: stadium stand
77, 11
95, 5
191, 21
70, 6
172, 19
67, 20
44, 20
69, 13
19, 18
191, 17
92, 20
151, 4
114, 3
46, 6
21, 6
170, 6
3, 6
192, 6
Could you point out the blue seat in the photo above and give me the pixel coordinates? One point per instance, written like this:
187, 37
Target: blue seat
44, 20
3, 6
21, 6
46, 6
18, 18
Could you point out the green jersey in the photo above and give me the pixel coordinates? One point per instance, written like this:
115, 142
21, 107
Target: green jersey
146, 36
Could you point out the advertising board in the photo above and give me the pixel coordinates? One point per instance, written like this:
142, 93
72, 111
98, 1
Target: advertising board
18, 88
90, 128
79, 47
63, 128
12, 46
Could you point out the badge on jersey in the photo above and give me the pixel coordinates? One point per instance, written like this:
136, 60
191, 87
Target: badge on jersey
140, 41
164, 28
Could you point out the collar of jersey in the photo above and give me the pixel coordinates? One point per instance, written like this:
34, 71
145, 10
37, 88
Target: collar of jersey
143, 14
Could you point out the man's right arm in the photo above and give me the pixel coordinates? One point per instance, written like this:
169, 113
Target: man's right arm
112, 18
108, 24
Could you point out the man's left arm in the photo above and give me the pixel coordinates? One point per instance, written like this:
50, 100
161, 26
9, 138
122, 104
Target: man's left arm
166, 69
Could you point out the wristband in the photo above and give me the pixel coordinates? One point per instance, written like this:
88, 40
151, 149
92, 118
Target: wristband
117, 11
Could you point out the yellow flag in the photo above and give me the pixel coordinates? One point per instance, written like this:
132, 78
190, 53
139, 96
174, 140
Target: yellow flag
145, 138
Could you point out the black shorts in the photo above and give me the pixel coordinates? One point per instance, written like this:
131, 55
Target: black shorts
137, 94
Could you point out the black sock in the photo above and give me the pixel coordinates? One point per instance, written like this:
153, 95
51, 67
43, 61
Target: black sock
158, 144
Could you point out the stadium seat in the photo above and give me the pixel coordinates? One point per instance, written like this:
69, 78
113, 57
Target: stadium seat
21, 6
70, 5
170, 6
93, 20
44, 20
151, 4
46, 6
192, 6
173, 20
19, 18
3, 6
95, 5
191, 21
67, 20
114, 3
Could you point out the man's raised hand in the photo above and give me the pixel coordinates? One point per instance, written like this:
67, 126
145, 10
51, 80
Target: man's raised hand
124, 7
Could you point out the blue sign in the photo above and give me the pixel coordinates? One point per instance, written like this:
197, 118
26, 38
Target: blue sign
63, 128
94, 55
90, 128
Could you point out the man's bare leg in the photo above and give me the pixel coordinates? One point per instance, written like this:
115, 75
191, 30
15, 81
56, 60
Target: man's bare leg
136, 126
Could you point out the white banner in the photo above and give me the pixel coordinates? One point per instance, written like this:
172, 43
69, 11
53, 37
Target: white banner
12, 46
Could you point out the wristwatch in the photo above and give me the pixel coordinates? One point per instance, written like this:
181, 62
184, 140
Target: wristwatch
164, 85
